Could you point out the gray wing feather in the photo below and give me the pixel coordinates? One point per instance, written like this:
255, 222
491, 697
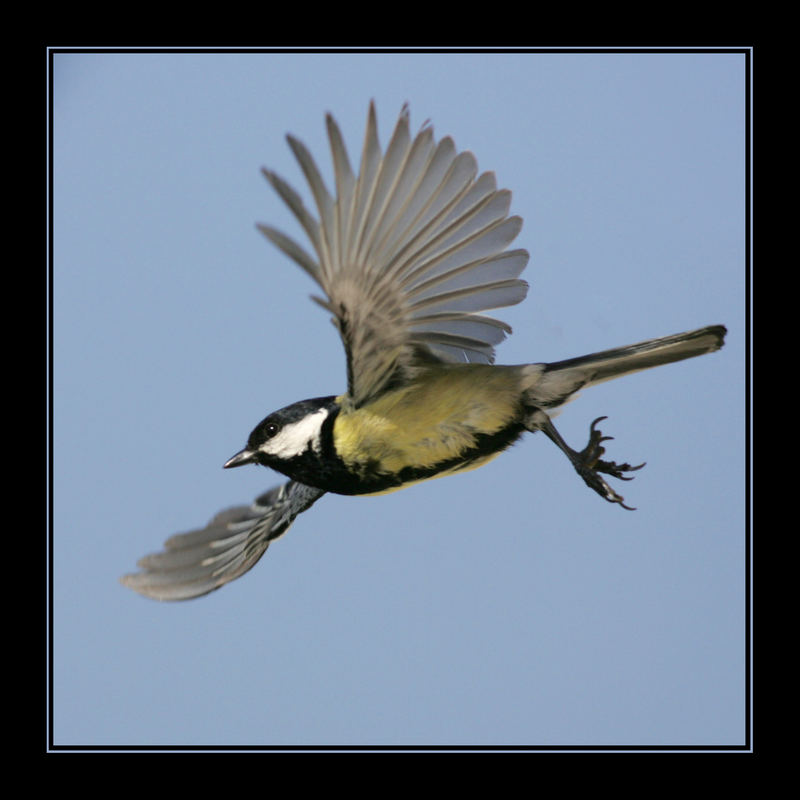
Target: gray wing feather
409, 253
292, 249
198, 562
293, 200
345, 186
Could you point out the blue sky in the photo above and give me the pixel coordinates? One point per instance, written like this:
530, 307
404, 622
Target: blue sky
507, 606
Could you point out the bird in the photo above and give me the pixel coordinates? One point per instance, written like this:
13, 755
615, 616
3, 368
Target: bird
409, 253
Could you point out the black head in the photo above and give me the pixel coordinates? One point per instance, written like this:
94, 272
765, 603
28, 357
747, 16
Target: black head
286, 434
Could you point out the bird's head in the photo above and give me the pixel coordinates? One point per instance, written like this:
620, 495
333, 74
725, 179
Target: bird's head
286, 435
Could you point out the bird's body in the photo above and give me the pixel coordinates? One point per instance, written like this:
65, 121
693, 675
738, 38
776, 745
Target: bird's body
472, 412
409, 254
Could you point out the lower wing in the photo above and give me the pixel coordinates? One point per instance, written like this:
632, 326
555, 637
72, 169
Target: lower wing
198, 562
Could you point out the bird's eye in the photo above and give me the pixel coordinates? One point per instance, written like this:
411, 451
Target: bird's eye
270, 429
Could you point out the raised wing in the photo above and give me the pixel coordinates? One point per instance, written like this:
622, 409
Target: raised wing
408, 253
195, 563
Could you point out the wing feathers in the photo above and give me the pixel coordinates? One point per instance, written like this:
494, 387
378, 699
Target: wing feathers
385, 185
324, 201
473, 298
427, 224
397, 204
422, 193
292, 249
409, 252
460, 245
195, 563
506, 266
370, 164
292, 199
345, 185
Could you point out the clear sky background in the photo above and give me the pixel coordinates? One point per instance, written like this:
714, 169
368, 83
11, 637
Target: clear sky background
507, 606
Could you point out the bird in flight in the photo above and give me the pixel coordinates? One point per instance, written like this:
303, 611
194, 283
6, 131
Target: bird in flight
408, 254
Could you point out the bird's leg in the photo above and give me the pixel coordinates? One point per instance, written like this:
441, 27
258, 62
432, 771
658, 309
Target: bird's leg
587, 462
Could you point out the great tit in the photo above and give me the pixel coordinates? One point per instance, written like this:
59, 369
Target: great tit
409, 254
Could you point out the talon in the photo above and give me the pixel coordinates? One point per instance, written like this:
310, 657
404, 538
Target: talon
613, 497
589, 464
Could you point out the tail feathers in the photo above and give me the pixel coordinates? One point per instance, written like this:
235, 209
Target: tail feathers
561, 379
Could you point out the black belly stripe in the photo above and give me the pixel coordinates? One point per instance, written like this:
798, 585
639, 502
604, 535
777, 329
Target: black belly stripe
371, 480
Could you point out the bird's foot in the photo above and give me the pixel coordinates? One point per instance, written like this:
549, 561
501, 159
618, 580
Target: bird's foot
589, 464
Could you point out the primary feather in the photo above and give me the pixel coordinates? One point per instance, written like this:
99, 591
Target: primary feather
409, 253
198, 562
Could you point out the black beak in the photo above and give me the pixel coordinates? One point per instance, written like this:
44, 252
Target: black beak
240, 459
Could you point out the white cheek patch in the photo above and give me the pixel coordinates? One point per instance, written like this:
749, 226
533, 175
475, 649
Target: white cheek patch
295, 438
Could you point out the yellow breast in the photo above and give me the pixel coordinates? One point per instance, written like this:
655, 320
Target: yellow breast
434, 419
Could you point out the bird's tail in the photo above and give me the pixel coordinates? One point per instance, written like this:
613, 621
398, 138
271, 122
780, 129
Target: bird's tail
556, 382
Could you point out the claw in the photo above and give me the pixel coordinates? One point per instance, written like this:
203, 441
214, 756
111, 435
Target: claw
588, 463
